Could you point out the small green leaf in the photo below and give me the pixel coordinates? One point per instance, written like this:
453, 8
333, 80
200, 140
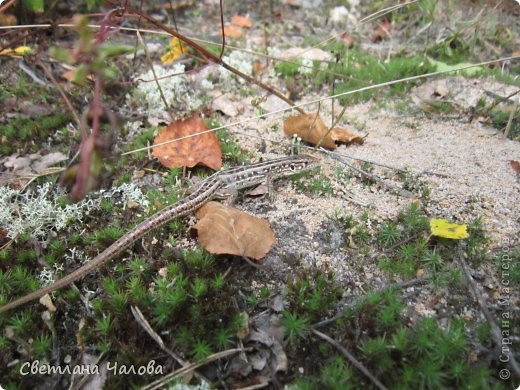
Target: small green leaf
106, 50
34, 5
61, 55
80, 75
443, 67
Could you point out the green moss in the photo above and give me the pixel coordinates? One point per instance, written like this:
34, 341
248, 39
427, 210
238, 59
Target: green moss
335, 374
499, 118
388, 234
19, 131
286, 69
142, 140
23, 323
42, 345
199, 260
201, 349
358, 69
199, 288
105, 325
295, 327
108, 235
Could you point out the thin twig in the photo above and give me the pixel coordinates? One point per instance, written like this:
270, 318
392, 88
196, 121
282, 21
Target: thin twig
64, 96
85, 378
150, 64
496, 333
356, 363
341, 313
486, 110
167, 378
510, 120
315, 101
5, 6
212, 57
143, 322
381, 182
32, 75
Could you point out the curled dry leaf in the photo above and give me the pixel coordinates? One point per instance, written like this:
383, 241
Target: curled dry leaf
312, 129
227, 230
201, 149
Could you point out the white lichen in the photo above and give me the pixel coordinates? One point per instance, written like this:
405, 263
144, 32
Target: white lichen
177, 91
35, 212
46, 276
38, 212
130, 193
239, 60
306, 66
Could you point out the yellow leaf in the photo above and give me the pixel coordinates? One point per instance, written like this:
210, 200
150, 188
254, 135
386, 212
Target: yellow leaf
19, 51
446, 229
176, 50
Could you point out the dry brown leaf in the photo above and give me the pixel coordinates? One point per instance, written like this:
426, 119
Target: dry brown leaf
202, 149
227, 230
516, 166
312, 129
241, 21
233, 31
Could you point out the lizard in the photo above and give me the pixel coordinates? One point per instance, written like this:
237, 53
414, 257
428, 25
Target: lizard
222, 182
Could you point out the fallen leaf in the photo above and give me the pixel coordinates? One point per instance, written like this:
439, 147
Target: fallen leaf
446, 229
176, 50
225, 230
48, 160
188, 152
241, 21
516, 166
32, 164
233, 31
312, 129
18, 51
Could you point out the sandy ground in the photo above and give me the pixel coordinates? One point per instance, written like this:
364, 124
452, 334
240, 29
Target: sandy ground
464, 165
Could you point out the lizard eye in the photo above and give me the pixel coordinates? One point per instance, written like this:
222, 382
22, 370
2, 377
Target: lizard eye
292, 166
